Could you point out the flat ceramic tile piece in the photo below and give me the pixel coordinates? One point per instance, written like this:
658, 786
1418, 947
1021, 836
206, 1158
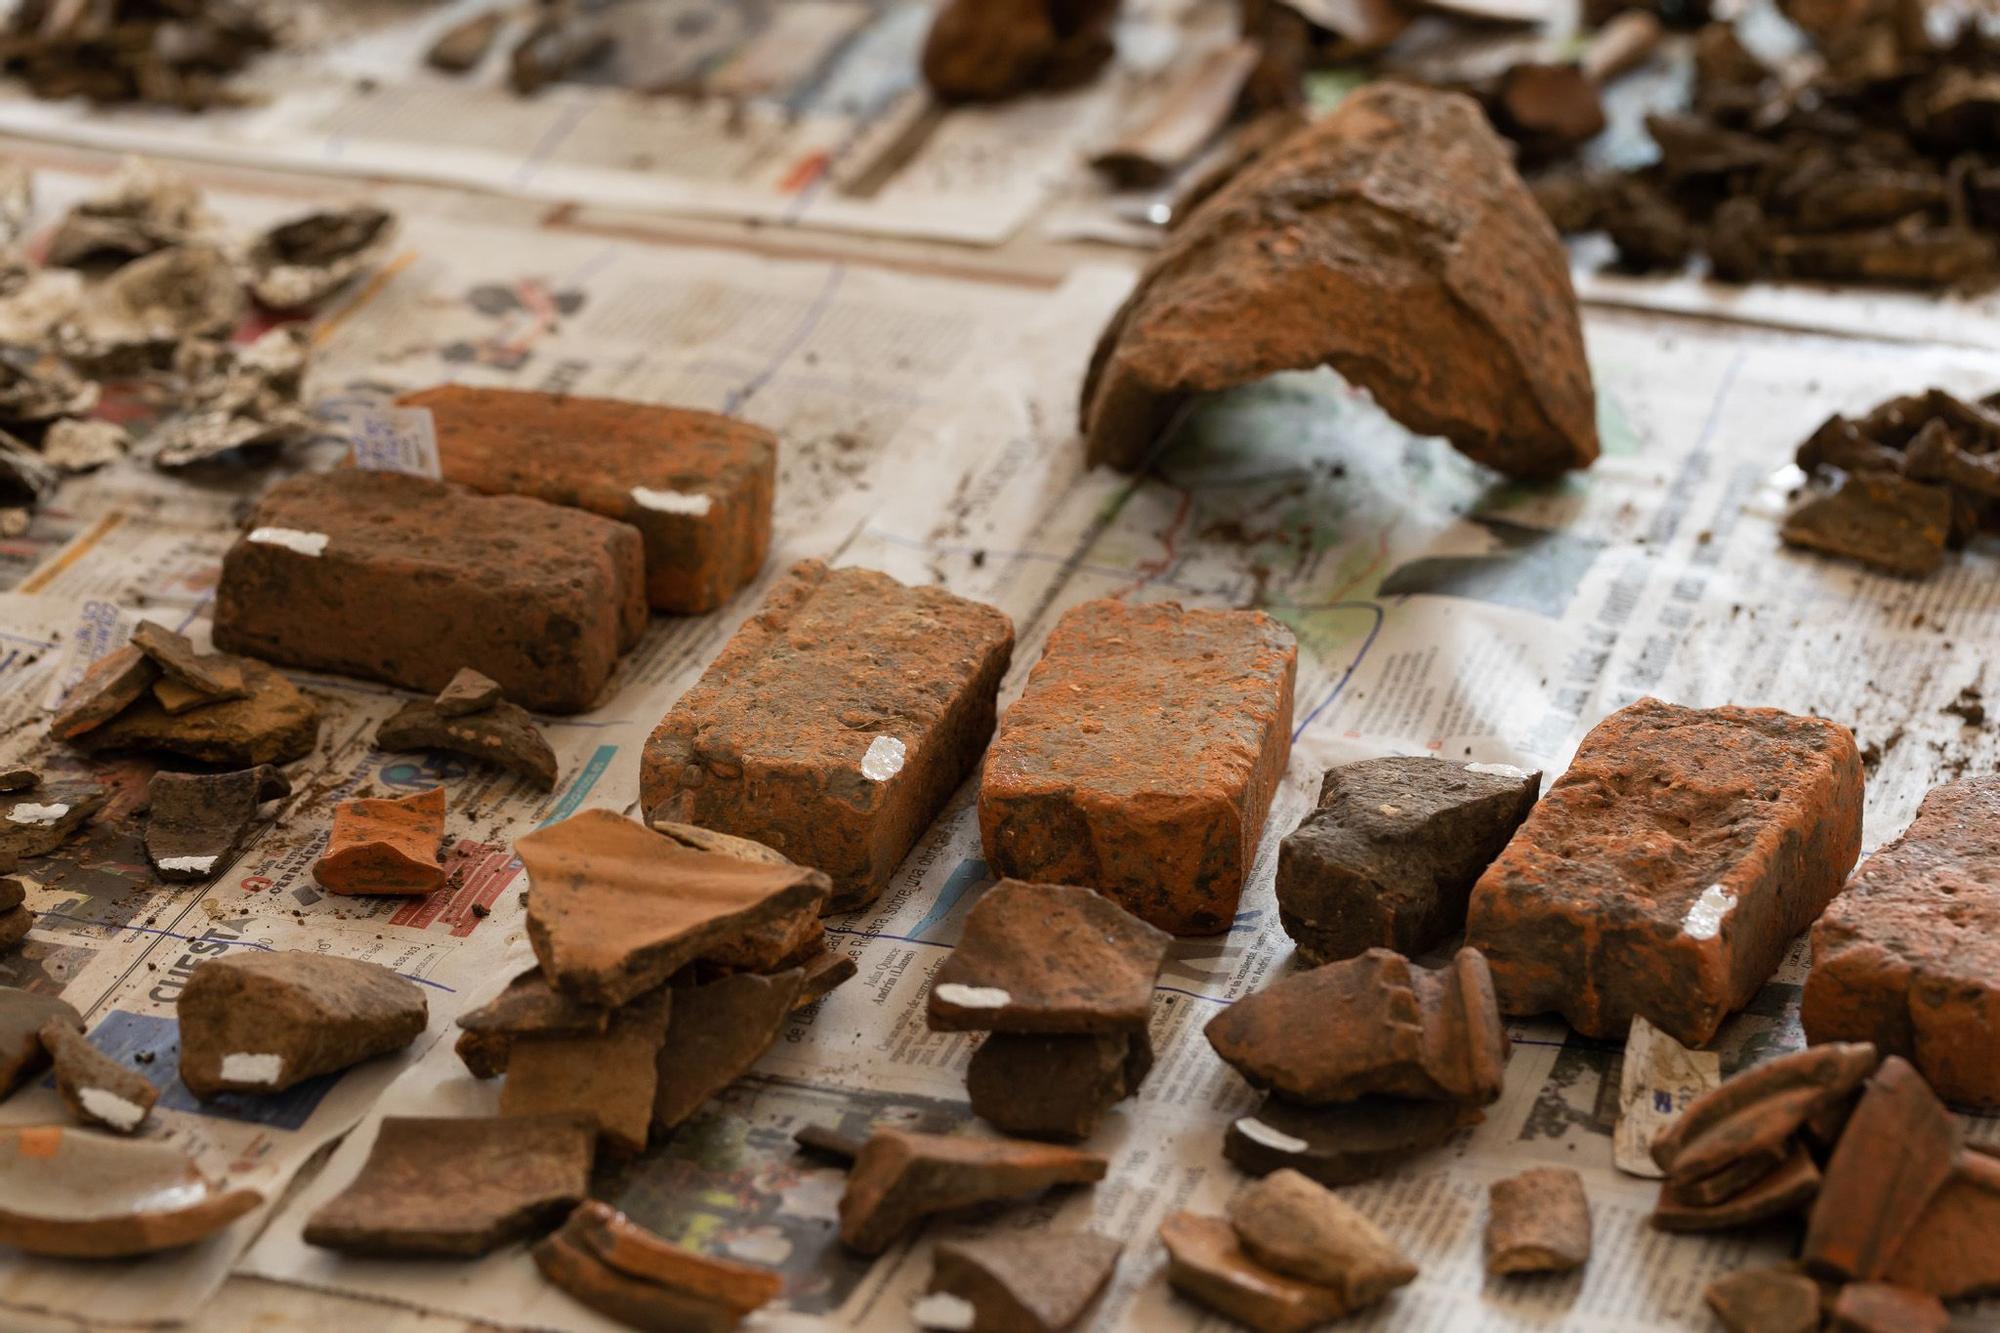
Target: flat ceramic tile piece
275, 723
1141, 758
502, 734
1344, 1142
1389, 856
455, 1187
1048, 958
1618, 898
717, 1032
1895, 524
214, 675
97, 1089
1206, 1263
1765, 1300
385, 845
1538, 1222
468, 692
1372, 1024
1054, 1085
198, 822
527, 1007
901, 1176
610, 1076
1908, 956
633, 1302
1304, 1230
609, 1235
35, 823
1898, 1150
78, 1194
1026, 1281
410, 579
825, 972
23, 1015
696, 485
110, 684
1760, 1108
615, 908
1779, 1193
254, 1020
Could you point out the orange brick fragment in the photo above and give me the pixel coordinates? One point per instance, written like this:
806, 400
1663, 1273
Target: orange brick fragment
385, 846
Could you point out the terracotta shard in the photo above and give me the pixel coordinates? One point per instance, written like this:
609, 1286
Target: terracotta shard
708, 840
527, 1006
1888, 522
1765, 1300
1899, 1149
789, 940
1342, 1143
1781, 1192
1953, 1250
717, 1033
23, 1017
468, 692
1876, 1307
1206, 1262
988, 50
275, 724
1025, 1282
200, 821
631, 1301
109, 685
1668, 869
385, 845
1760, 1108
697, 486
264, 1021
901, 1176
1731, 1180
609, 1235
609, 1077
1141, 758
214, 676
504, 735
1539, 1222
78, 1194
616, 908
824, 973
35, 823
455, 1187
1908, 956
1054, 1086
541, 598
835, 724
1048, 958
1302, 1229
1391, 240
96, 1088
1372, 1024
1389, 857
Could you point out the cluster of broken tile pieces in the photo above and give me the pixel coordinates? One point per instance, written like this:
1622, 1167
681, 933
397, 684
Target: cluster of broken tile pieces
1062, 980
1912, 477
172, 53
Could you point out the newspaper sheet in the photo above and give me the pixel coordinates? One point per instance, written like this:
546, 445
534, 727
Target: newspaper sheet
1439, 611
799, 112
839, 361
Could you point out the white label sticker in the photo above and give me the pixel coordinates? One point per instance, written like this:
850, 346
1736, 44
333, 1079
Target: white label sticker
1276, 1140
390, 439
305, 543
884, 759
246, 1068
687, 503
27, 812
194, 865
974, 997
1704, 919
112, 1109
941, 1309
1497, 770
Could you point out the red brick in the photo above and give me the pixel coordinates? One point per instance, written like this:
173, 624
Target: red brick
1667, 871
835, 724
1908, 956
1141, 758
416, 579
697, 486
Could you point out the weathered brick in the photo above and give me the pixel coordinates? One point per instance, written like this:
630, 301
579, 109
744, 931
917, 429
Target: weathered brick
1908, 956
1665, 873
396, 578
1141, 758
697, 486
835, 724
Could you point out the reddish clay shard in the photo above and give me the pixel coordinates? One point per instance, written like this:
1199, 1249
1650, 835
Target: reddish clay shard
1908, 956
608, 1077
23, 1017
387, 845
1538, 1222
697, 486
214, 678
609, 1235
987, 50
502, 734
541, 598
274, 723
631, 1301
199, 822
1306, 1231
1954, 1248
527, 1006
1048, 958
1875, 1307
1899, 1149
1389, 857
109, 685
1025, 1282
456, 1187
70, 1194
1372, 1024
615, 908
1665, 873
718, 1031
96, 1088
1342, 1143
1391, 240
469, 692
1141, 758
1760, 1108
1765, 1300
901, 1176
1206, 1263
263, 1021
823, 974
1783, 1191
835, 724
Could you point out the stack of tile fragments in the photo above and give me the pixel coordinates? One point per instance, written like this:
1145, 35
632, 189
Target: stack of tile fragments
668, 963
1062, 979
1911, 478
